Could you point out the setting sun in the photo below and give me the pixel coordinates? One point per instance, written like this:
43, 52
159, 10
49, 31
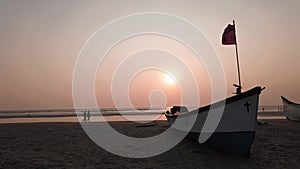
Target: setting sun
169, 79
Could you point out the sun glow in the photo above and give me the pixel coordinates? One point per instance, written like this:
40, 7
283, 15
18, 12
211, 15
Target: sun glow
169, 79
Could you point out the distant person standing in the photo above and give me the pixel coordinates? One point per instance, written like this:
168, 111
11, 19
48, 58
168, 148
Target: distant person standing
88, 115
84, 116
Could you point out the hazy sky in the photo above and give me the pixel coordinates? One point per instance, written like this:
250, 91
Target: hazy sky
41, 40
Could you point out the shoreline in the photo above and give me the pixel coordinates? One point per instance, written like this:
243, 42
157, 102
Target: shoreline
111, 116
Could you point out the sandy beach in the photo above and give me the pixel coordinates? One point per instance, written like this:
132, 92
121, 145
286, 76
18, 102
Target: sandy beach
65, 145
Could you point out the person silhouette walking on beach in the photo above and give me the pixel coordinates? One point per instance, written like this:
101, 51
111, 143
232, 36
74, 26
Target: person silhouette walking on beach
88, 115
84, 116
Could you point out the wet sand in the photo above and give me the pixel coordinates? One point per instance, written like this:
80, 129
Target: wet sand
65, 145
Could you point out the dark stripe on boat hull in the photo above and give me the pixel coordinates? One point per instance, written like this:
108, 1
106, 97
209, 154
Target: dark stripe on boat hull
233, 142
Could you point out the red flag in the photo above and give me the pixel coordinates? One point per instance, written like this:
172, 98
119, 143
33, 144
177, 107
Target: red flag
228, 37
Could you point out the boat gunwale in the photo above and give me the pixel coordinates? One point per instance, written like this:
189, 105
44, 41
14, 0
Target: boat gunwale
285, 100
253, 91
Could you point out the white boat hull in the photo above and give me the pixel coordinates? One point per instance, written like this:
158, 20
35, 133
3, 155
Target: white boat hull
291, 110
236, 129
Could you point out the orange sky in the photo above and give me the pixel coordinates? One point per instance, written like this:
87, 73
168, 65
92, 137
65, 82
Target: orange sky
40, 42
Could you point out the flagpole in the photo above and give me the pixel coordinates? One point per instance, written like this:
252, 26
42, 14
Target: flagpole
238, 90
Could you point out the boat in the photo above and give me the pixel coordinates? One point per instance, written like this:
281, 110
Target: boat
235, 131
291, 110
